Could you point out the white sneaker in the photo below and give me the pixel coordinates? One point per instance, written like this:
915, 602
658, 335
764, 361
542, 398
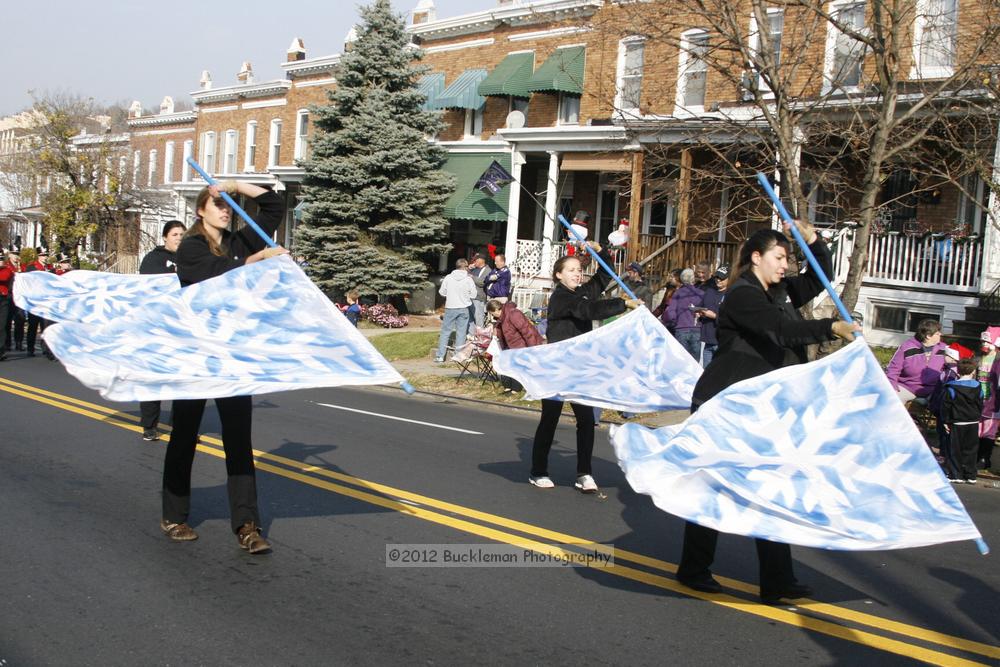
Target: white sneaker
586, 484
541, 482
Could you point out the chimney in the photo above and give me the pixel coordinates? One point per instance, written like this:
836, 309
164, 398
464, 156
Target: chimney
424, 12
351, 37
135, 109
205, 83
246, 73
297, 51
167, 105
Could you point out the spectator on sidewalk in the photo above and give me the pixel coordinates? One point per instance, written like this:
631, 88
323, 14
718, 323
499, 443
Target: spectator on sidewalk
987, 373
635, 281
682, 314
915, 369
353, 309
513, 331
961, 407
479, 271
712, 302
671, 286
458, 290
498, 281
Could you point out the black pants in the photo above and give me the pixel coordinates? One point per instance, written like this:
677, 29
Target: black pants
546, 431
986, 450
36, 324
149, 412
965, 449
774, 558
4, 313
15, 322
236, 414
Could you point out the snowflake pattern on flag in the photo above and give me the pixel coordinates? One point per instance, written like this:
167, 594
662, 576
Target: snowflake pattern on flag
632, 364
93, 297
821, 454
257, 329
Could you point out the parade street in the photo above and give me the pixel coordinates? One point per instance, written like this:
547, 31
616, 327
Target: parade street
343, 476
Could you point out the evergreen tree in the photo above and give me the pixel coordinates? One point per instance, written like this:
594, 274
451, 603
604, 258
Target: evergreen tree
373, 187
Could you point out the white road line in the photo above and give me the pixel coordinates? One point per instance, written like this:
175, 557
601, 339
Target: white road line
400, 419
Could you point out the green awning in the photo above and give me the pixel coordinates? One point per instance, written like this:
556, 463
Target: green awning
468, 203
431, 85
463, 92
562, 72
510, 77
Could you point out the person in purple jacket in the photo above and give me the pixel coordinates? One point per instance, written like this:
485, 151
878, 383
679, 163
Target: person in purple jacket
682, 314
498, 282
915, 368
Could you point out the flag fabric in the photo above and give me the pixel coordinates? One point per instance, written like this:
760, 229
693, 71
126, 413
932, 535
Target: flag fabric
632, 364
93, 297
261, 328
820, 454
493, 179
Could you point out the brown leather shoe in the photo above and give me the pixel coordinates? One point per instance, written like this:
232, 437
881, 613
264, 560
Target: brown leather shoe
178, 532
251, 540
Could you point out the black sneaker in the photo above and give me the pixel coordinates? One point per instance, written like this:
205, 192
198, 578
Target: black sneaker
789, 592
150, 434
705, 584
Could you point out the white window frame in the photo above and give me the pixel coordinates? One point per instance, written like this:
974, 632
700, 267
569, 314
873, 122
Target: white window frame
185, 166
229, 154
667, 192
979, 201
250, 152
136, 161
569, 109
168, 162
274, 143
302, 134
622, 105
122, 172
207, 150
684, 68
831, 46
755, 35
920, 24
151, 175
473, 126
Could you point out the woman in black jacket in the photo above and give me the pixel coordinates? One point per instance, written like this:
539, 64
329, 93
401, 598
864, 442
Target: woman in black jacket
161, 259
209, 249
571, 311
760, 330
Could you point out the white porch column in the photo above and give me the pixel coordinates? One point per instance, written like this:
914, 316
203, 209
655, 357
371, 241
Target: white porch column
551, 210
990, 274
513, 206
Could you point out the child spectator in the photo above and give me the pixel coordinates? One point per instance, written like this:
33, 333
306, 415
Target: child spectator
948, 373
353, 309
961, 406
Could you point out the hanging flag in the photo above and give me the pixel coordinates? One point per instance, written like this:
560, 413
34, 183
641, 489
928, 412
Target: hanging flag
261, 328
493, 179
820, 454
632, 364
93, 297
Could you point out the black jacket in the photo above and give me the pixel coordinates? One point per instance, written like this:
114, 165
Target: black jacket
962, 401
572, 312
159, 260
760, 330
195, 261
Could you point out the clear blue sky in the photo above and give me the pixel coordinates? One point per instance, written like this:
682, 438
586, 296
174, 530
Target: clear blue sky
118, 50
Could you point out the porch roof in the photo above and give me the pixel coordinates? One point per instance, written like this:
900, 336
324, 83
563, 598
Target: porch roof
462, 93
468, 203
510, 77
561, 73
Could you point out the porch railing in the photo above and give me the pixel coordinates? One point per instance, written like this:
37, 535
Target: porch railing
528, 266
659, 255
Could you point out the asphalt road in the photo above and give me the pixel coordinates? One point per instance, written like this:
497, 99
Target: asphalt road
87, 577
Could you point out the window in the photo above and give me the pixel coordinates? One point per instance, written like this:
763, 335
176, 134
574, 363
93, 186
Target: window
659, 214
122, 172
693, 70
151, 179
136, 159
973, 204
473, 123
846, 54
771, 34
301, 131
935, 31
168, 162
274, 152
518, 104
207, 152
569, 109
899, 318
631, 53
250, 157
186, 167
232, 141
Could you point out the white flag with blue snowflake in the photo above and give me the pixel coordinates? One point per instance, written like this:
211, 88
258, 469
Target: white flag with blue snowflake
632, 364
821, 454
88, 296
257, 329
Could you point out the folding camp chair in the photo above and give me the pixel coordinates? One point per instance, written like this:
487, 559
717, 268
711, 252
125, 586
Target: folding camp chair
473, 358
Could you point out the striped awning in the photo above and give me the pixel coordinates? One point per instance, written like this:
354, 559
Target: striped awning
562, 72
431, 86
463, 93
510, 77
468, 203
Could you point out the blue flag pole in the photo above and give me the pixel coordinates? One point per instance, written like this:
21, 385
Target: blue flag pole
406, 386
611, 272
236, 207
783, 212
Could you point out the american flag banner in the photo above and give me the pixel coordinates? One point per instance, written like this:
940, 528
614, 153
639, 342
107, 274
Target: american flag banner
632, 364
261, 328
820, 454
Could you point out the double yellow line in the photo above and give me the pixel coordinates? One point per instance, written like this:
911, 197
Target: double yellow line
843, 623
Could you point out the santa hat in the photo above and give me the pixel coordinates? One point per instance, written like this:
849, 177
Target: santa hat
962, 351
952, 353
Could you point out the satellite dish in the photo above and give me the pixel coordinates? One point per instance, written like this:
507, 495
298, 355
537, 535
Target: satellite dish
515, 120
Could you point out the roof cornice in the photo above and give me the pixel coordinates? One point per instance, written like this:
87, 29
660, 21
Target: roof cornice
164, 119
517, 15
243, 90
298, 68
